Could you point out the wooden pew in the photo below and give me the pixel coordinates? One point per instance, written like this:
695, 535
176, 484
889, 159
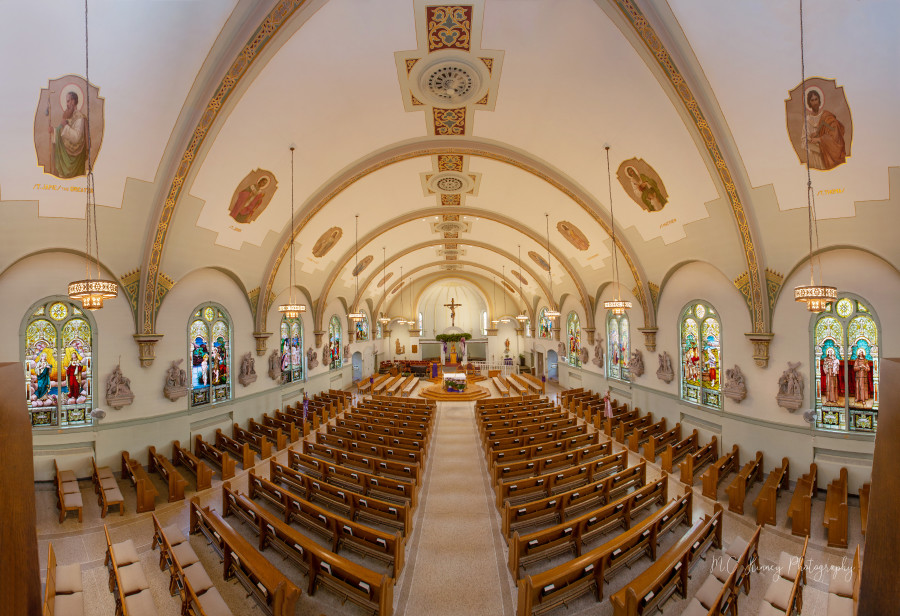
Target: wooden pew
292, 429
410, 386
382, 430
654, 444
202, 473
737, 490
409, 471
143, 485
139, 599
502, 389
68, 493
800, 509
561, 584
510, 471
372, 448
494, 432
274, 434
649, 590
864, 505
238, 449
836, 521
276, 594
642, 435
625, 428
768, 495
160, 464
67, 596
385, 440
257, 442
345, 578
718, 470
495, 446
514, 385
107, 489
222, 460
527, 452
674, 452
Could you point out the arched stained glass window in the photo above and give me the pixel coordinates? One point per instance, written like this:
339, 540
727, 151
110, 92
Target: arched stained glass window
618, 346
209, 349
379, 331
59, 343
573, 335
484, 323
846, 366
701, 355
545, 324
291, 350
528, 328
362, 329
334, 343
421, 323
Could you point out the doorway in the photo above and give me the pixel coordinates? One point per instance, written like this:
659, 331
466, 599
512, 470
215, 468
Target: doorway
552, 361
357, 366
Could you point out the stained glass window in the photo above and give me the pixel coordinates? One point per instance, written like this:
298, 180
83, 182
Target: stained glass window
209, 349
701, 355
334, 343
618, 347
484, 323
291, 350
545, 324
378, 329
846, 367
573, 335
528, 328
362, 329
421, 323
59, 343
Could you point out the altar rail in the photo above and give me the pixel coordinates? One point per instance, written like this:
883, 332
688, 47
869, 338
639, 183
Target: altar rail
483, 367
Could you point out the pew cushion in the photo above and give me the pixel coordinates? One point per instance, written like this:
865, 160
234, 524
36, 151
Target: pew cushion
68, 579
133, 578
213, 604
174, 535
108, 483
787, 566
125, 553
709, 591
113, 495
694, 608
73, 500
779, 593
198, 578
767, 609
184, 554
737, 547
104, 472
67, 476
141, 604
841, 584
723, 567
70, 487
839, 606
70, 605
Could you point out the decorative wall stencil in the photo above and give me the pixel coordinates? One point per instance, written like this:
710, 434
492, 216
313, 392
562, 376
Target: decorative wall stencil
541, 261
636, 364
448, 27
385, 279
573, 235
61, 125
118, 389
790, 388
665, 372
774, 281
735, 388
252, 195
829, 127
327, 241
247, 374
642, 184
520, 277
449, 121
363, 264
176, 381
131, 282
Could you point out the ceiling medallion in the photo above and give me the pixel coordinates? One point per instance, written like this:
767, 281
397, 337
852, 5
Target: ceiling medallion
450, 82
451, 226
450, 183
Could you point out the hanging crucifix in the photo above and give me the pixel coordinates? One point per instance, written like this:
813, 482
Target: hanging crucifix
452, 308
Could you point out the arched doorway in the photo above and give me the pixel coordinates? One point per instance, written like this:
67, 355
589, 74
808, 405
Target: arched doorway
552, 371
357, 366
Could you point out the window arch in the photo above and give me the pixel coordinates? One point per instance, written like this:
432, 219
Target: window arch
618, 346
209, 350
573, 335
291, 350
334, 343
59, 342
701, 355
846, 366
362, 329
545, 324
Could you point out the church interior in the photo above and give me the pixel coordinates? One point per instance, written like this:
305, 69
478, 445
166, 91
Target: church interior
222, 212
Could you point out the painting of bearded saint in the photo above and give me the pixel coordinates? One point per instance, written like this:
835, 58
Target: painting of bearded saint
62, 131
825, 129
252, 196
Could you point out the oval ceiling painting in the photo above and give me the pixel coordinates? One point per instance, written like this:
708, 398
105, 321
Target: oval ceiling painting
398, 287
827, 122
509, 287
362, 265
520, 277
385, 279
539, 260
252, 195
327, 241
573, 234
642, 184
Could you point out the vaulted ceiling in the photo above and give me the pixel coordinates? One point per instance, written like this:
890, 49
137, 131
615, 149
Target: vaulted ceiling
459, 134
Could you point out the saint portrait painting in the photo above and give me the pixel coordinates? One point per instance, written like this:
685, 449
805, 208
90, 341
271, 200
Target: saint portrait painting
62, 130
252, 195
642, 184
825, 130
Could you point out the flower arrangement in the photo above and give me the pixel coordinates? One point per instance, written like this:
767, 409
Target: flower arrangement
455, 384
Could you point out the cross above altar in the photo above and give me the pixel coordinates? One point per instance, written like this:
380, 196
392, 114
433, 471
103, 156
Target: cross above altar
452, 308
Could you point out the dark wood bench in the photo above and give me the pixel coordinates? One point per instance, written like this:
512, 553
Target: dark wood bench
624, 428
202, 473
765, 501
145, 490
275, 435
258, 443
737, 490
728, 463
220, 459
386, 440
382, 430
800, 509
572, 439
175, 482
366, 447
107, 489
409, 471
291, 428
836, 520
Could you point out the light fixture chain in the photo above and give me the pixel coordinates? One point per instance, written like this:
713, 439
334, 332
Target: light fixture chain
612, 222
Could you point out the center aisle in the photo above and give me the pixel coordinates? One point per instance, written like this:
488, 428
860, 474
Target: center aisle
456, 562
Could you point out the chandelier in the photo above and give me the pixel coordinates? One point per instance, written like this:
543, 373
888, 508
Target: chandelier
816, 296
383, 318
617, 305
521, 317
356, 315
292, 309
93, 289
550, 313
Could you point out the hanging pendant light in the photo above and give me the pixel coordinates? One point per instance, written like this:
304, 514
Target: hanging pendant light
292, 309
356, 314
521, 317
816, 296
93, 290
550, 313
383, 318
618, 305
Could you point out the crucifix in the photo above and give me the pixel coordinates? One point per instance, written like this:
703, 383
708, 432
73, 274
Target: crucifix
452, 308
